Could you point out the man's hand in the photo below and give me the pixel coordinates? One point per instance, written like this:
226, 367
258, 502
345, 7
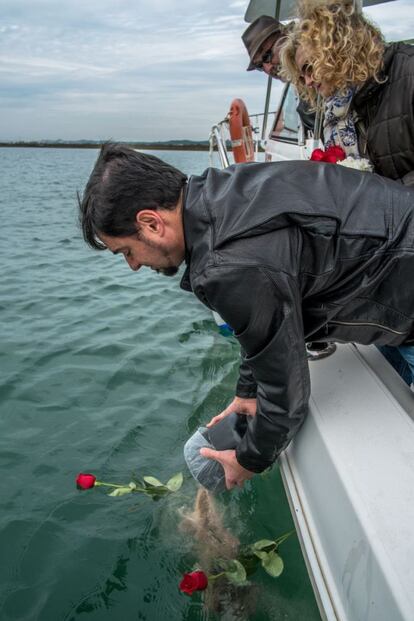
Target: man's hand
238, 405
235, 473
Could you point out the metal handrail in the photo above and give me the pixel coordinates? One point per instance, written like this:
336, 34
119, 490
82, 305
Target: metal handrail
218, 140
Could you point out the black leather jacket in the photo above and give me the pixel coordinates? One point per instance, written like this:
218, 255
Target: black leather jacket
295, 251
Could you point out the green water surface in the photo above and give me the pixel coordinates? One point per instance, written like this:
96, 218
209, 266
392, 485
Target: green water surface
107, 371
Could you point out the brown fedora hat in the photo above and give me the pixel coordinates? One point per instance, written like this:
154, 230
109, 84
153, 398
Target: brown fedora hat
257, 33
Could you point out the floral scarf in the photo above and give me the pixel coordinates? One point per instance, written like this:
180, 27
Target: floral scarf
339, 123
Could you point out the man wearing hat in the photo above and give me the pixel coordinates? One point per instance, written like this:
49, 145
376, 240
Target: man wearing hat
264, 39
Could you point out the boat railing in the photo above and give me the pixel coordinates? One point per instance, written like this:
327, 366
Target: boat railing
220, 138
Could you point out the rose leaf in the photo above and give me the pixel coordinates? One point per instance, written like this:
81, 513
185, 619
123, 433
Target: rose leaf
120, 491
236, 573
175, 482
273, 564
153, 482
263, 543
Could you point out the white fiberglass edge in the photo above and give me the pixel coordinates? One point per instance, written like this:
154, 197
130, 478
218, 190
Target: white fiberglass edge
349, 476
309, 549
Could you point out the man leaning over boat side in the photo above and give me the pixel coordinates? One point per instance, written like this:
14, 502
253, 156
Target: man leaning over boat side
284, 252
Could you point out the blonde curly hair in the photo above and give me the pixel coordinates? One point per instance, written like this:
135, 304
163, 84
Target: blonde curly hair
343, 48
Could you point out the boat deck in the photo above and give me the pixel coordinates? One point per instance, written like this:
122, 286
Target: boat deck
349, 476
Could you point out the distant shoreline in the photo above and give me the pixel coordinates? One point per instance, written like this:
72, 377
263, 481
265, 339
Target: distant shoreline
143, 146
149, 146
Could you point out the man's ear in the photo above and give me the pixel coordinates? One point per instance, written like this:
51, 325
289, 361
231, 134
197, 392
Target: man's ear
150, 222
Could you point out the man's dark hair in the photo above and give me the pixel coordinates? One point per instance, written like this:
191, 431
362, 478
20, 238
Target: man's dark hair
122, 183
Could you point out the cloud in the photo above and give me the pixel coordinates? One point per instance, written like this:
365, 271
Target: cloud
147, 69
396, 19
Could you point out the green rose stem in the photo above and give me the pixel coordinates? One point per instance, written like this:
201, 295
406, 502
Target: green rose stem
215, 576
102, 484
284, 537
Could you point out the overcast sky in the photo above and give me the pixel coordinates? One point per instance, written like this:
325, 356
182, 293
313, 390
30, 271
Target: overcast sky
132, 69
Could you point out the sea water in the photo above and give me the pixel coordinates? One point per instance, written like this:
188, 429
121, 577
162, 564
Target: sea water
108, 371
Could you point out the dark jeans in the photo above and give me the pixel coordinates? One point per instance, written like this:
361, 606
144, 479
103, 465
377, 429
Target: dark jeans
402, 359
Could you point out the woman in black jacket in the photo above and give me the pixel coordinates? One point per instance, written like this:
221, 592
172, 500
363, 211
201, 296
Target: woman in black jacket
367, 86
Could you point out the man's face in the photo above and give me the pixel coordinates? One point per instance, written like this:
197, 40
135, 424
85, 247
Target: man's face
141, 251
306, 74
267, 58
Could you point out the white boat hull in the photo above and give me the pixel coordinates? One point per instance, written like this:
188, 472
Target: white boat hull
349, 477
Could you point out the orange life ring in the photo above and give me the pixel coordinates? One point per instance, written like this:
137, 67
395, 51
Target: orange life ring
240, 132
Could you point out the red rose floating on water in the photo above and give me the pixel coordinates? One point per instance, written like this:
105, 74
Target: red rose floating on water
194, 581
85, 481
332, 155
150, 486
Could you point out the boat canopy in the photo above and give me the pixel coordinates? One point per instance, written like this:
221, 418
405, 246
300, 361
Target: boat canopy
285, 9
